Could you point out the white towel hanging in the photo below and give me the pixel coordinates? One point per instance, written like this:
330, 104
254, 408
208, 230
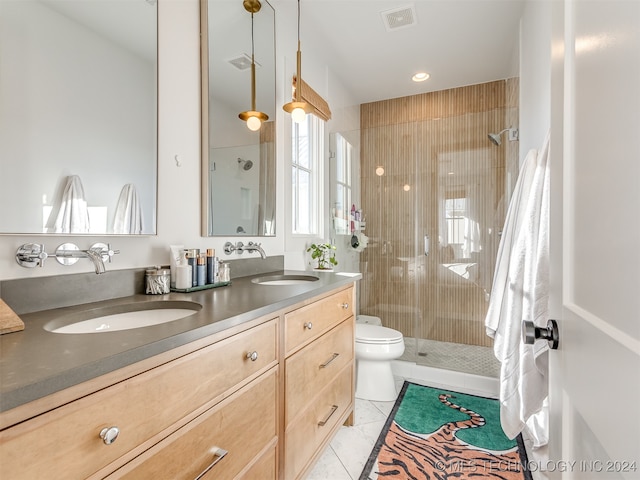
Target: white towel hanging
128, 215
521, 292
71, 214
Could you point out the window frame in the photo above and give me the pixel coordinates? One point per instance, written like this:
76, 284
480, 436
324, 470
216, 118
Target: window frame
315, 170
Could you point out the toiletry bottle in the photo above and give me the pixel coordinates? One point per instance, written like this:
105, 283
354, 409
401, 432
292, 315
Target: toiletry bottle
201, 270
183, 276
211, 258
176, 253
224, 272
192, 259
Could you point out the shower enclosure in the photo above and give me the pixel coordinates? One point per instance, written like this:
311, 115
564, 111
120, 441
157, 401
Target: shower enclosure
434, 191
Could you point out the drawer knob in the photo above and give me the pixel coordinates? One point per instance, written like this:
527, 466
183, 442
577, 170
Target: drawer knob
253, 356
308, 325
345, 305
109, 435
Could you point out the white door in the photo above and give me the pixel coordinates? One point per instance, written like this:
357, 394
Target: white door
595, 374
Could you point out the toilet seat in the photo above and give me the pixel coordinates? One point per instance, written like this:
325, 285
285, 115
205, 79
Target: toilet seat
374, 334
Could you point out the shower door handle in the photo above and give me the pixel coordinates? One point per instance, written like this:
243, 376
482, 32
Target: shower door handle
426, 245
531, 333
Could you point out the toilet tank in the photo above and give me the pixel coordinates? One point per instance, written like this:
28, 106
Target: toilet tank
369, 319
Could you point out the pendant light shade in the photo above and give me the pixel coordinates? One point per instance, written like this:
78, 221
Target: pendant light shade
253, 117
298, 108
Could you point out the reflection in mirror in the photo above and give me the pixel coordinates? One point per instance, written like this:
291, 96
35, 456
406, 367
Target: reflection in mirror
78, 116
342, 172
238, 165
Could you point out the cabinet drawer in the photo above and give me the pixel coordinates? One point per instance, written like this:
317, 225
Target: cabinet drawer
307, 433
265, 467
309, 370
242, 426
143, 408
308, 322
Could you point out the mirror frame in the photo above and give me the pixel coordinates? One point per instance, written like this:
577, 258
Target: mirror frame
205, 188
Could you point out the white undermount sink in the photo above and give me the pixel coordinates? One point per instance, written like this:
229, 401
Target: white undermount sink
285, 279
123, 317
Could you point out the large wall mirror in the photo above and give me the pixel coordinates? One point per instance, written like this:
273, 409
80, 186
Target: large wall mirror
238, 165
78, 116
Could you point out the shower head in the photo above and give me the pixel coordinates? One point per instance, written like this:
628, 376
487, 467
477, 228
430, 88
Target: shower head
246, 164
496, 137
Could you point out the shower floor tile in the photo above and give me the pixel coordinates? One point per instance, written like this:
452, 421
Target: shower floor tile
452, 356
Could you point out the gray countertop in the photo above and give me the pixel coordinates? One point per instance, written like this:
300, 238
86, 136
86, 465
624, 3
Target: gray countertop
35, 363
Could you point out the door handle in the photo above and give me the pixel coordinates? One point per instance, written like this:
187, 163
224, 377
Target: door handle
531, 333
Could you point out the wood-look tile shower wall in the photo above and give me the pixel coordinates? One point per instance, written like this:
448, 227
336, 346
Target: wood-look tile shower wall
434, 147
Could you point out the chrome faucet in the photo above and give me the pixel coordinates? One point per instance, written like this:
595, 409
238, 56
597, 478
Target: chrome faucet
32, 255
95, 256
255, 247
68, 254
240, 247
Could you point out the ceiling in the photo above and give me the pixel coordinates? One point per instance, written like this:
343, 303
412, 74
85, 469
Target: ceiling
458, 42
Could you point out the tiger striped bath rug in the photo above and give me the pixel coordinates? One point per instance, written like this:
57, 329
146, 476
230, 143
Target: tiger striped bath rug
433, 433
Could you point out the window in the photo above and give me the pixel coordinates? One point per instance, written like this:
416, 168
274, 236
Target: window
456, 218
307, 140
342, 207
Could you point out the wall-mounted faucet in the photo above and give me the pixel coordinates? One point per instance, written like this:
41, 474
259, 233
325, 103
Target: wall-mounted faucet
32, 255
240, 247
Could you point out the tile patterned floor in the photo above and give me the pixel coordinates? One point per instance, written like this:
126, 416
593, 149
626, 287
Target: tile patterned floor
348, 452
452, 356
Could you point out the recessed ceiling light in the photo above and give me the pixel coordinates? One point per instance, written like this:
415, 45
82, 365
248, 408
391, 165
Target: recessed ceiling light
380, 171
420, 77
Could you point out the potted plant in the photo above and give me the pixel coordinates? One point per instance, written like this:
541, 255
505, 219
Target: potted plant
324, 255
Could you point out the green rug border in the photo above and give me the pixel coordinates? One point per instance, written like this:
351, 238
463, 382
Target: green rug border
387, 424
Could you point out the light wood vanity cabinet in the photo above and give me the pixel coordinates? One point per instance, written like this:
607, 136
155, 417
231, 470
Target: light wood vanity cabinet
319, 378
220, 443
260, 401
66, 442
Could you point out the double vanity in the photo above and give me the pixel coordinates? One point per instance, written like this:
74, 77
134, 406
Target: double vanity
251, 380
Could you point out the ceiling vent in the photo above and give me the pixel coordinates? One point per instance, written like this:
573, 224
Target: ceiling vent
242, 62
398, 18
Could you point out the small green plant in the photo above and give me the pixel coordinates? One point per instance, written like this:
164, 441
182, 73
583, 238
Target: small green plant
324, 254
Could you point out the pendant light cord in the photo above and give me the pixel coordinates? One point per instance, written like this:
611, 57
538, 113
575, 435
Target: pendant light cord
298, 25
252, 38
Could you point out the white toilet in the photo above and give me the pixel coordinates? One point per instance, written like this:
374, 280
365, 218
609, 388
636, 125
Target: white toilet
376, 346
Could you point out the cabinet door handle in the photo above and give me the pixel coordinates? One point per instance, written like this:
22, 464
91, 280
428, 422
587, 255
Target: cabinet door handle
322, 423
109, 434
333, 357
308, 325
253, 356
345, 305
218, 454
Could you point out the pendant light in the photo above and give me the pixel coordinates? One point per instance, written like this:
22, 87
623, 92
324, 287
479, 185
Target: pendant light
297, 108
253, 117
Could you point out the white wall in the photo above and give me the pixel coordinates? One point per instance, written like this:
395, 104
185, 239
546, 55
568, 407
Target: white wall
316, 71
179, 136
535, 75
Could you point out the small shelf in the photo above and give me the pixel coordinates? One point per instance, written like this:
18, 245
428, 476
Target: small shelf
201, 287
